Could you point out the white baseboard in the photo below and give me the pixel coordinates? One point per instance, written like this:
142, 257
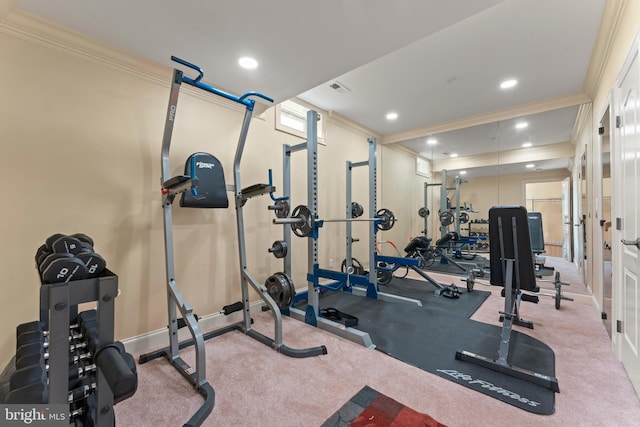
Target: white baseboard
159, 338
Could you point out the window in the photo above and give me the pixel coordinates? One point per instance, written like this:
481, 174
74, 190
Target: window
291, 117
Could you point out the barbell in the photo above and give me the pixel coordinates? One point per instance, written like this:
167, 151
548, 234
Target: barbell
302, 221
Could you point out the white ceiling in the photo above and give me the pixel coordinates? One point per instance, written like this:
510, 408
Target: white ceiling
431, 61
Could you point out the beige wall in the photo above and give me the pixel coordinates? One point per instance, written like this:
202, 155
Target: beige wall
81, 153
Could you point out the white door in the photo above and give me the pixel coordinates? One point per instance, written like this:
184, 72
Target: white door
566, 219
627, 175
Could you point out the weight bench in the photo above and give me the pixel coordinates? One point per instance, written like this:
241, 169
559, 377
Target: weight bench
512, 267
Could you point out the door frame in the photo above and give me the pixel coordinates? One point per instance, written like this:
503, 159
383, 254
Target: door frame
597, 229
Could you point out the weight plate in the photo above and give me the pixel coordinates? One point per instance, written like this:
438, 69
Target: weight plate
423, 212
281, 289
383, 276
305, 227
356, 210
464, 218
446, 218
283, 212
279, 249
387, 219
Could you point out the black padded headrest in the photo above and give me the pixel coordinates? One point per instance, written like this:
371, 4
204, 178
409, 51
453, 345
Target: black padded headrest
211, 189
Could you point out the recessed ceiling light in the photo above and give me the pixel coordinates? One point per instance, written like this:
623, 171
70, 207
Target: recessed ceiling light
530, 165
508, 84
392, 116
248, 63
526, 145
432, 141
522, 125
452, 155
463, 172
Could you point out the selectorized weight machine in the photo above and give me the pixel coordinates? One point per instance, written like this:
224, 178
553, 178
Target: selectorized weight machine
203, 186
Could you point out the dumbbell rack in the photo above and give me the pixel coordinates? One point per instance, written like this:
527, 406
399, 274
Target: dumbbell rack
57, 300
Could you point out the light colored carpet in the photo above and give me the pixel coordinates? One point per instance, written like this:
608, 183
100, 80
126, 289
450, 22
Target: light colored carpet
255, 386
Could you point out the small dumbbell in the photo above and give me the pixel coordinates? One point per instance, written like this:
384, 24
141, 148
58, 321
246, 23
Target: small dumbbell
84, 316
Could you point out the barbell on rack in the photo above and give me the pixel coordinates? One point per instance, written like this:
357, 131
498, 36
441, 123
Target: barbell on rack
302, 221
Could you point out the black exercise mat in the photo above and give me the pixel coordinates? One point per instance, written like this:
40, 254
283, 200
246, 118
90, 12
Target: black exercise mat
429, 338
421, 290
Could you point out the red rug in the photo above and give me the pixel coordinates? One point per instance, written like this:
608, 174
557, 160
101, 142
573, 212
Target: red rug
369, 408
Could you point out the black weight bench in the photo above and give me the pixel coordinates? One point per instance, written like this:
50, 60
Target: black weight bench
512, 267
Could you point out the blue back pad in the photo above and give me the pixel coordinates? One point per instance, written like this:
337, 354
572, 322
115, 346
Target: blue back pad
211, 188
522, 249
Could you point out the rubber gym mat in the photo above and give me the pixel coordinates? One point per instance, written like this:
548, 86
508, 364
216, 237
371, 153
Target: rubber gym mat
466, 305
428, 338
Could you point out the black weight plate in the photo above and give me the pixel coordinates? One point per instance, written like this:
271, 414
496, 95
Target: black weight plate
64, 270
83, 238
52, 238
67, 244
50, 258
95, 263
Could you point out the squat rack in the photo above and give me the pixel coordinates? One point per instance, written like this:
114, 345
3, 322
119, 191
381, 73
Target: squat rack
338, 280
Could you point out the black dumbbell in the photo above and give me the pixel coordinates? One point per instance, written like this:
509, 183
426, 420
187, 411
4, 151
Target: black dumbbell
41, 336
32, 373
55, 265
84, 316
37, 392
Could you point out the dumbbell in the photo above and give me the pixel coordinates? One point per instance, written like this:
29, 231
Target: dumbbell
65, 258
37, 392
118, 367
35, 343
36, 325
36, 372
40, 336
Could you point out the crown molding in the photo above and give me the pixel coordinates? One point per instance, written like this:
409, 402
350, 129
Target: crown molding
495, 116
342, 121
582, 119
34, 29
609, 26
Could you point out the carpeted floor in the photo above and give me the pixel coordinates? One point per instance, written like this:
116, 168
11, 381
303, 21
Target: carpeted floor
258, 386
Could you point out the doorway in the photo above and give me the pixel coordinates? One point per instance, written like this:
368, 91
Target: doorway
547, 198
606, 221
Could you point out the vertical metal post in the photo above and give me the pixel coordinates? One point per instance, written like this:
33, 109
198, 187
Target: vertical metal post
443, 201
426, 205
457, 217
237, 190
286, 188
372, 214
349, 257
313, 302
167, 202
